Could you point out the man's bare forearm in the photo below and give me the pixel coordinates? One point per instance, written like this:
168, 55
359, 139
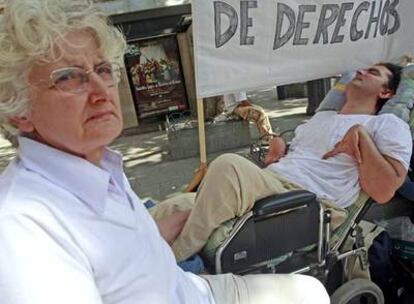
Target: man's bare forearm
380, 176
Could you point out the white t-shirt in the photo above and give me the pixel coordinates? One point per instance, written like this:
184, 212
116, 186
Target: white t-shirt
74, 233
232, 100
336, 179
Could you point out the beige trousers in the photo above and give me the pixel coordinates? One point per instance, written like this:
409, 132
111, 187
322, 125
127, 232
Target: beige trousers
257, 115
267, 288
229, 189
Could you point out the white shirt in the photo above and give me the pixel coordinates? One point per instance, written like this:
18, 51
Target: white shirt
232, 100
336, 179
74, 233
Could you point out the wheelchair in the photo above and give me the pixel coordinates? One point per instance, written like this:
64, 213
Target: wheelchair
292, 233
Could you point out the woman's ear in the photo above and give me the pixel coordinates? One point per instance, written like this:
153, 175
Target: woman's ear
22, 123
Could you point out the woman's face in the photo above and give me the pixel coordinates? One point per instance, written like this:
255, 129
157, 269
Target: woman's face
81, 123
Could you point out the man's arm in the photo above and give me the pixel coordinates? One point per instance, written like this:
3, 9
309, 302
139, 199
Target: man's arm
379, 175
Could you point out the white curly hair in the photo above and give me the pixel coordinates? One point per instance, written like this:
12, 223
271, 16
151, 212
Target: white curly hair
29, 30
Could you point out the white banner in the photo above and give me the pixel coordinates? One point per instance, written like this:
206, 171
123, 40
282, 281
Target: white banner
242, 45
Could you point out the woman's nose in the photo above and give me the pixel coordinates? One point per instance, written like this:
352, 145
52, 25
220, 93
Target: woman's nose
98, 88
97, 84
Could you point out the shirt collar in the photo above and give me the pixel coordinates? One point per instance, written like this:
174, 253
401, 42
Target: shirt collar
88, 182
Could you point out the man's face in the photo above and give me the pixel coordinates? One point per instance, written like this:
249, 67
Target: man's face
79, 123
372, 81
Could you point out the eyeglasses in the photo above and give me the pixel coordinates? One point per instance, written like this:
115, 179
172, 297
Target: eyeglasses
76, 80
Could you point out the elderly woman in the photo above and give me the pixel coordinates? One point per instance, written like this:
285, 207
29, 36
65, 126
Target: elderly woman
71, 229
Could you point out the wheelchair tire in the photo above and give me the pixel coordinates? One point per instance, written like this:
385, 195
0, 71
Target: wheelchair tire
358, 291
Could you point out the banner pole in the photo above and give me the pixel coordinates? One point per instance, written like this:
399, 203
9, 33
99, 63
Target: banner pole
201, 131
202, 168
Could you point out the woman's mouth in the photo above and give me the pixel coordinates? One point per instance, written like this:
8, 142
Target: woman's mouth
103, 115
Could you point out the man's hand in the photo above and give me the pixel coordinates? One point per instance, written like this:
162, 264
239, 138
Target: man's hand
170, 227
348, 145
379, 175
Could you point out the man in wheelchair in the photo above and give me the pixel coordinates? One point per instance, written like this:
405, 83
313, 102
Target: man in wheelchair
334, 155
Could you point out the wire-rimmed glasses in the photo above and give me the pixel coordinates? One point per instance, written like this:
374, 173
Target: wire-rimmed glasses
76, 80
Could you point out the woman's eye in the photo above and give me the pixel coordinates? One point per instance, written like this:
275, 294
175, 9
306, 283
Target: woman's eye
66, 75
70, 76
104, 70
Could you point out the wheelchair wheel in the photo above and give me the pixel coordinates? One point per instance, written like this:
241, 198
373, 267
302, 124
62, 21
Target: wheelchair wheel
358, 291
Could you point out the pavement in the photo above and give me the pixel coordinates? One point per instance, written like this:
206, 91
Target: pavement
150, 170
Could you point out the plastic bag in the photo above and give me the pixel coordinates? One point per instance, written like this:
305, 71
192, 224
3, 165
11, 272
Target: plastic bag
400, 228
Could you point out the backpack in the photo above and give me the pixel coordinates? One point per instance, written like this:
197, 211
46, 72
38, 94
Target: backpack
387, 270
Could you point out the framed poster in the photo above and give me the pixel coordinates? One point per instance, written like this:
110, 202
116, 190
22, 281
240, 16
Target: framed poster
155, 74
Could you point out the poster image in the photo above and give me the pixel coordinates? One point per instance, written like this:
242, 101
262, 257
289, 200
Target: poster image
155, 73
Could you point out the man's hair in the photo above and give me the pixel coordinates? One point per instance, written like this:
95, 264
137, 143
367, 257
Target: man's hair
393, 82
29, 30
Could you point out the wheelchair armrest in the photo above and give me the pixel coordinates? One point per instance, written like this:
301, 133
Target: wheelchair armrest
283, 201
